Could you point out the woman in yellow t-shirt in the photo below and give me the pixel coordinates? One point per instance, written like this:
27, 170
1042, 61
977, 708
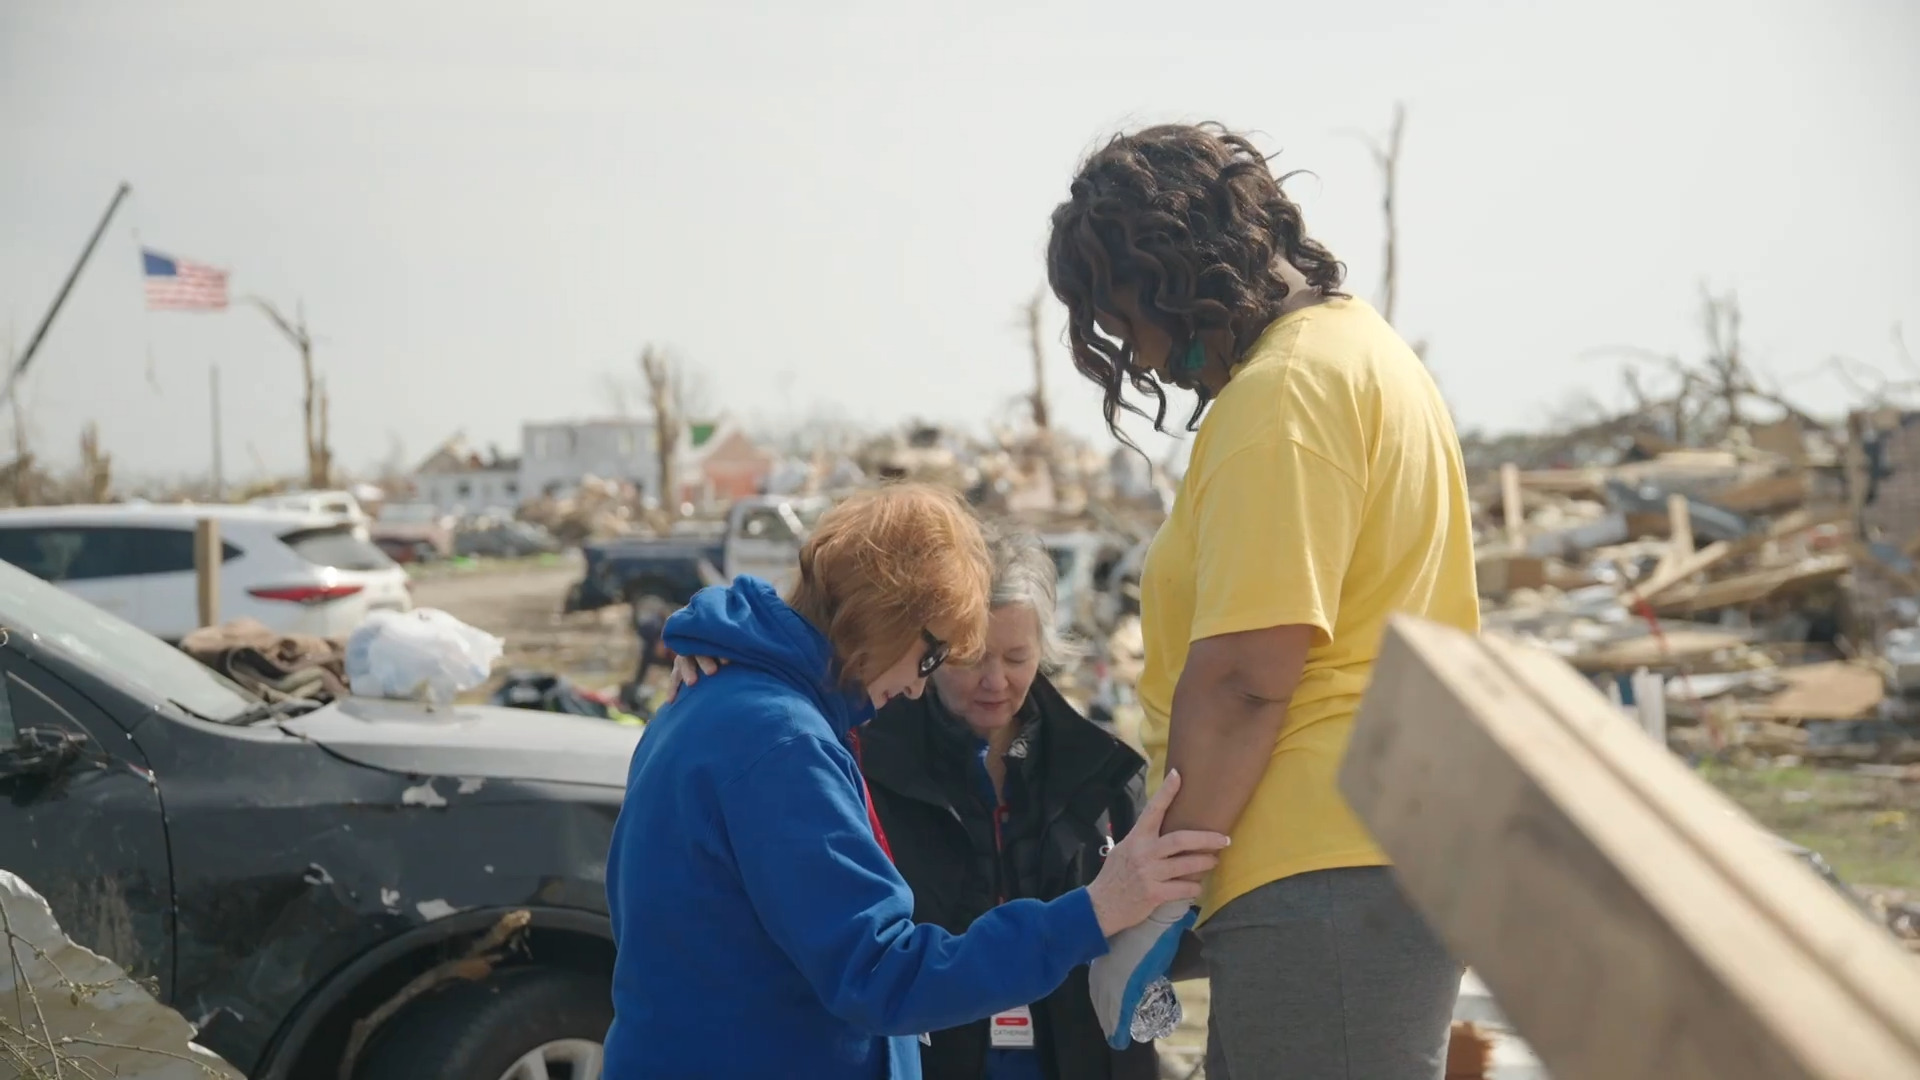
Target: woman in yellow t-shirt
1325, 493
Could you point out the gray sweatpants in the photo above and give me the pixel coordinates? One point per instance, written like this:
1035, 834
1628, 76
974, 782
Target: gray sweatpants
1330, 975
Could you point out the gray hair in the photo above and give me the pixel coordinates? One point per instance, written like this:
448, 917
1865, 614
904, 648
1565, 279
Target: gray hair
1023, 574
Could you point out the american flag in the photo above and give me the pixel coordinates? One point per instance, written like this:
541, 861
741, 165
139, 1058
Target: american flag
178, 285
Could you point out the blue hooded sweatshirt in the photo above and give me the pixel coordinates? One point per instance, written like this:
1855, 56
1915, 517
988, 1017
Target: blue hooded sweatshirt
761, 931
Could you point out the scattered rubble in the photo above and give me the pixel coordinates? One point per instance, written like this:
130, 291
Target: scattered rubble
1770, 579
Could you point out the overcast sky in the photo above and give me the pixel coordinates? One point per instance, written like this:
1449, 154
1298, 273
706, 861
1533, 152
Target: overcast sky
840, 206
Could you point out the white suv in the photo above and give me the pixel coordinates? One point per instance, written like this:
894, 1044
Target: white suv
301, 573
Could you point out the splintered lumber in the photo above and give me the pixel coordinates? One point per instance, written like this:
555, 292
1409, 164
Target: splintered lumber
1764, 494
1674, 571
1832, 690
1680, 647
1512, 511
1630, 920
1579, 482
1499, 573
1752, 587
1679, 529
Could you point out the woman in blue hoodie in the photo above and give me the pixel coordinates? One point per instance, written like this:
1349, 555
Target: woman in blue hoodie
762, 929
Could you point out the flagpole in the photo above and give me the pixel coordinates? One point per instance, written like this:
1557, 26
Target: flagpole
20, 366
213, 381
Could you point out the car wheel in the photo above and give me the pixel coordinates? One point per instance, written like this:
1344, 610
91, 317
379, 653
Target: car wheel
528, 1023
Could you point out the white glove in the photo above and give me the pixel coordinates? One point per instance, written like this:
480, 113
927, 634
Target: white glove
1135, 958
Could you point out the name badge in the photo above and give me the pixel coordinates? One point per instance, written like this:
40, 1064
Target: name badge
1011, 1030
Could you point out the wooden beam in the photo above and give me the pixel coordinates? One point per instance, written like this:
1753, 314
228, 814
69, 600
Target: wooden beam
1766, 493
206, 569
1752, 587
1510, 505
1679, 528
1631, 921
1668, 574
1585, 483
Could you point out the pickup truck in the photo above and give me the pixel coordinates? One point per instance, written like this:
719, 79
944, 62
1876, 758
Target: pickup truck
762, 538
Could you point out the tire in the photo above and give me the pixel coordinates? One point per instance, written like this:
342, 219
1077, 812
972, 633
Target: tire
477, 1031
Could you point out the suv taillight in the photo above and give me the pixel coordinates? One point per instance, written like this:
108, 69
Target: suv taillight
306, 594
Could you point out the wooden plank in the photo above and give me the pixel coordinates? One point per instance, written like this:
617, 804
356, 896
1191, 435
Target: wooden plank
1511, 508
1679, 529
1675, 647
1753, 587
1498, 574
1579, 482
206, 569
1668, 574
1766, 493
1630, 920
1834, 690
1784, 526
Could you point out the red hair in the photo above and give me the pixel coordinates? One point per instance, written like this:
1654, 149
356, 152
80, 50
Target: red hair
887, 564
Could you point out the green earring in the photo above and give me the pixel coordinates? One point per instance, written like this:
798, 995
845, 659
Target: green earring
1195, 358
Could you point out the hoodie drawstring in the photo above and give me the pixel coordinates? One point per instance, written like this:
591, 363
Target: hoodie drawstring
873, 816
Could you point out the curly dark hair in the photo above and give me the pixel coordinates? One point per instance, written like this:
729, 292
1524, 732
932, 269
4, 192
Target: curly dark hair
1192, 219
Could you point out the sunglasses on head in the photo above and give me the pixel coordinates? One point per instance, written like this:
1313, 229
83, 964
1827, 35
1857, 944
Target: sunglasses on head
935, 655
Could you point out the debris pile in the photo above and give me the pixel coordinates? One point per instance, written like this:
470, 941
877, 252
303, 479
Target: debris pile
597, 510
1769, 579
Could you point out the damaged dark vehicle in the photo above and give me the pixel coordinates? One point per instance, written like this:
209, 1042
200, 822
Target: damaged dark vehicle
367, 888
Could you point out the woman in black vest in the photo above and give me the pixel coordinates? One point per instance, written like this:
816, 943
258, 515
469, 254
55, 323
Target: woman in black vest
991, 787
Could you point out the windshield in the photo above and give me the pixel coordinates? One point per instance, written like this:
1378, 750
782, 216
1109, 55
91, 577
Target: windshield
118, 650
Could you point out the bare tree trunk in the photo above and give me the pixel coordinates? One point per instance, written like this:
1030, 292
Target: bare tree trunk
96, 468
321, 470
312, 420
1041, 417
663, 388
22, 456
1389, 160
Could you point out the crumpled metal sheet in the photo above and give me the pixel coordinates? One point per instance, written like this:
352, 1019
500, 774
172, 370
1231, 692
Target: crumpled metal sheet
83, 1007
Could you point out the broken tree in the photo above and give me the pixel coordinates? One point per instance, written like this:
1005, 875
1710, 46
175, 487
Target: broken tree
1633, 922
313, 394
667, 393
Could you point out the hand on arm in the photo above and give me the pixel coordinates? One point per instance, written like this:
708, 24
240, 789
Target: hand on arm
1151, 867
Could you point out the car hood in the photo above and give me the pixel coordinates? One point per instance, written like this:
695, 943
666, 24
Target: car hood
479, 741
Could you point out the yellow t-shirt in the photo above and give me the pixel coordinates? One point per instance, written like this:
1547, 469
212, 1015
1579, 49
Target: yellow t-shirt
1325, 489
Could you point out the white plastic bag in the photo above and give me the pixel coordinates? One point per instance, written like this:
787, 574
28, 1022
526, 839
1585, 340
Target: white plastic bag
419, 655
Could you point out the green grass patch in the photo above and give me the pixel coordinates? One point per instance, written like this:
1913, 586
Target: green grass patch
1867, 828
